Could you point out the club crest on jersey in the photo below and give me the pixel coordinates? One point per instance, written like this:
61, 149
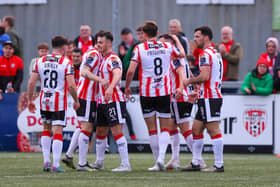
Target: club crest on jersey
254, 121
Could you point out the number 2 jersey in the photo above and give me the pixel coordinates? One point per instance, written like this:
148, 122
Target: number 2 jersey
154, 58
212, 87
53, 70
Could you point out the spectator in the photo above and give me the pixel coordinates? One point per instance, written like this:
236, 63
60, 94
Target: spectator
69, 49
127, 57
231, 52
272, 55
42, 50
127, 41
8, 23
3, 38
259, 81
77, 60
85, 41
175, 27
11, 69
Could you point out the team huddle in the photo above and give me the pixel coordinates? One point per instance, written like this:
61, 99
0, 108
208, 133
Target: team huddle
167, 89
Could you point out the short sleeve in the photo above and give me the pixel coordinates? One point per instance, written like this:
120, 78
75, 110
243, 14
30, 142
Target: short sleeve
69, 69
90, 59
204, 59
176, 63
175, 51
35, 66
136, 54
114, 62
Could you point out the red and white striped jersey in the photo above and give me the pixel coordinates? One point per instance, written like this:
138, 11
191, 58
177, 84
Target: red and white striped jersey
109, 63
154, 58
88, 89
176, 63
53, 70
212, 87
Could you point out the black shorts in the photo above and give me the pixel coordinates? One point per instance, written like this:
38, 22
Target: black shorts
209, 110
54, 118
156, 105
181, 111
87, 111
110, 114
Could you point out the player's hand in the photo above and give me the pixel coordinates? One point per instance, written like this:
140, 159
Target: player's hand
108, 93
128, 92
253, 87
104, 83
193, 97
76, 105
31, 107
178, 93
248, 91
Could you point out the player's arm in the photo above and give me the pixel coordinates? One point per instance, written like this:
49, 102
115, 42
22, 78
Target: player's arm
202, 77
85, 72
129, 76
73, 90
182, 76
182, 53
31, 89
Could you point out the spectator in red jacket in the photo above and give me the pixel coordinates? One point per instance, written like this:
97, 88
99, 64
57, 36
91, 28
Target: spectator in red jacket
85, 40
11, 69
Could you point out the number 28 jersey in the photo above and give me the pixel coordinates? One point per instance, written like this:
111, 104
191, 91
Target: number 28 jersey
212, 87
53, 70
154, 58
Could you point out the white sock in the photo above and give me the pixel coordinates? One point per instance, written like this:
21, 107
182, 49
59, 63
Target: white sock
100, 149
74, 143
175, 146
57, 149
46, 148
189, 139
218, 148
83, 147
122, 148
163, 142
197, 150
154, 145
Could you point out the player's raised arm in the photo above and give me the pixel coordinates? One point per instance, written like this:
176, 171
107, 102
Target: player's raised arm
179, 46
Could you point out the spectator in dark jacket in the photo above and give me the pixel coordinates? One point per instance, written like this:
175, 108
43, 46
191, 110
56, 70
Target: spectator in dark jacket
127, 41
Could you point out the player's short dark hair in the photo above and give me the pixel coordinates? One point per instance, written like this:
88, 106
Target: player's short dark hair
167, 37
205, 31
150, 28
10, 20
43, 46
77, 50
139, 28
59, 41
108, 35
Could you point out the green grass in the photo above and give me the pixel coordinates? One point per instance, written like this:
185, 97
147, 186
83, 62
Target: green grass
25, 169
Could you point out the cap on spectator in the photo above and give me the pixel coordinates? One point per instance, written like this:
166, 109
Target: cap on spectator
262, 60
125, 31
9, 43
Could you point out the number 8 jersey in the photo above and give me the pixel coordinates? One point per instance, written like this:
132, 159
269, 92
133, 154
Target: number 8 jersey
53, 70
154, 58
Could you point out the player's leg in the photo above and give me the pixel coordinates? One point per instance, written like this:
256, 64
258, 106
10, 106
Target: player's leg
46, 141
57, 147
174, 162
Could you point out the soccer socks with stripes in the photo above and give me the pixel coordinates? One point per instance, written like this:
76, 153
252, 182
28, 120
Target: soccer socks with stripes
122, 148
46, 145
74, 143
175, 144
57, 149
197, 149
218, 148
101, 142
83, 147
163, 141
153, 138
189, 139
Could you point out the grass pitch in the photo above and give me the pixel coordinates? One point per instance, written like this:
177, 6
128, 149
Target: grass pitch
25, 169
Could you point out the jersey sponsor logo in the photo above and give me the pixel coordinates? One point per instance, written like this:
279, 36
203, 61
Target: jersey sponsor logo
115, 62
90, 59
156, 46
52, 59
254, 121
